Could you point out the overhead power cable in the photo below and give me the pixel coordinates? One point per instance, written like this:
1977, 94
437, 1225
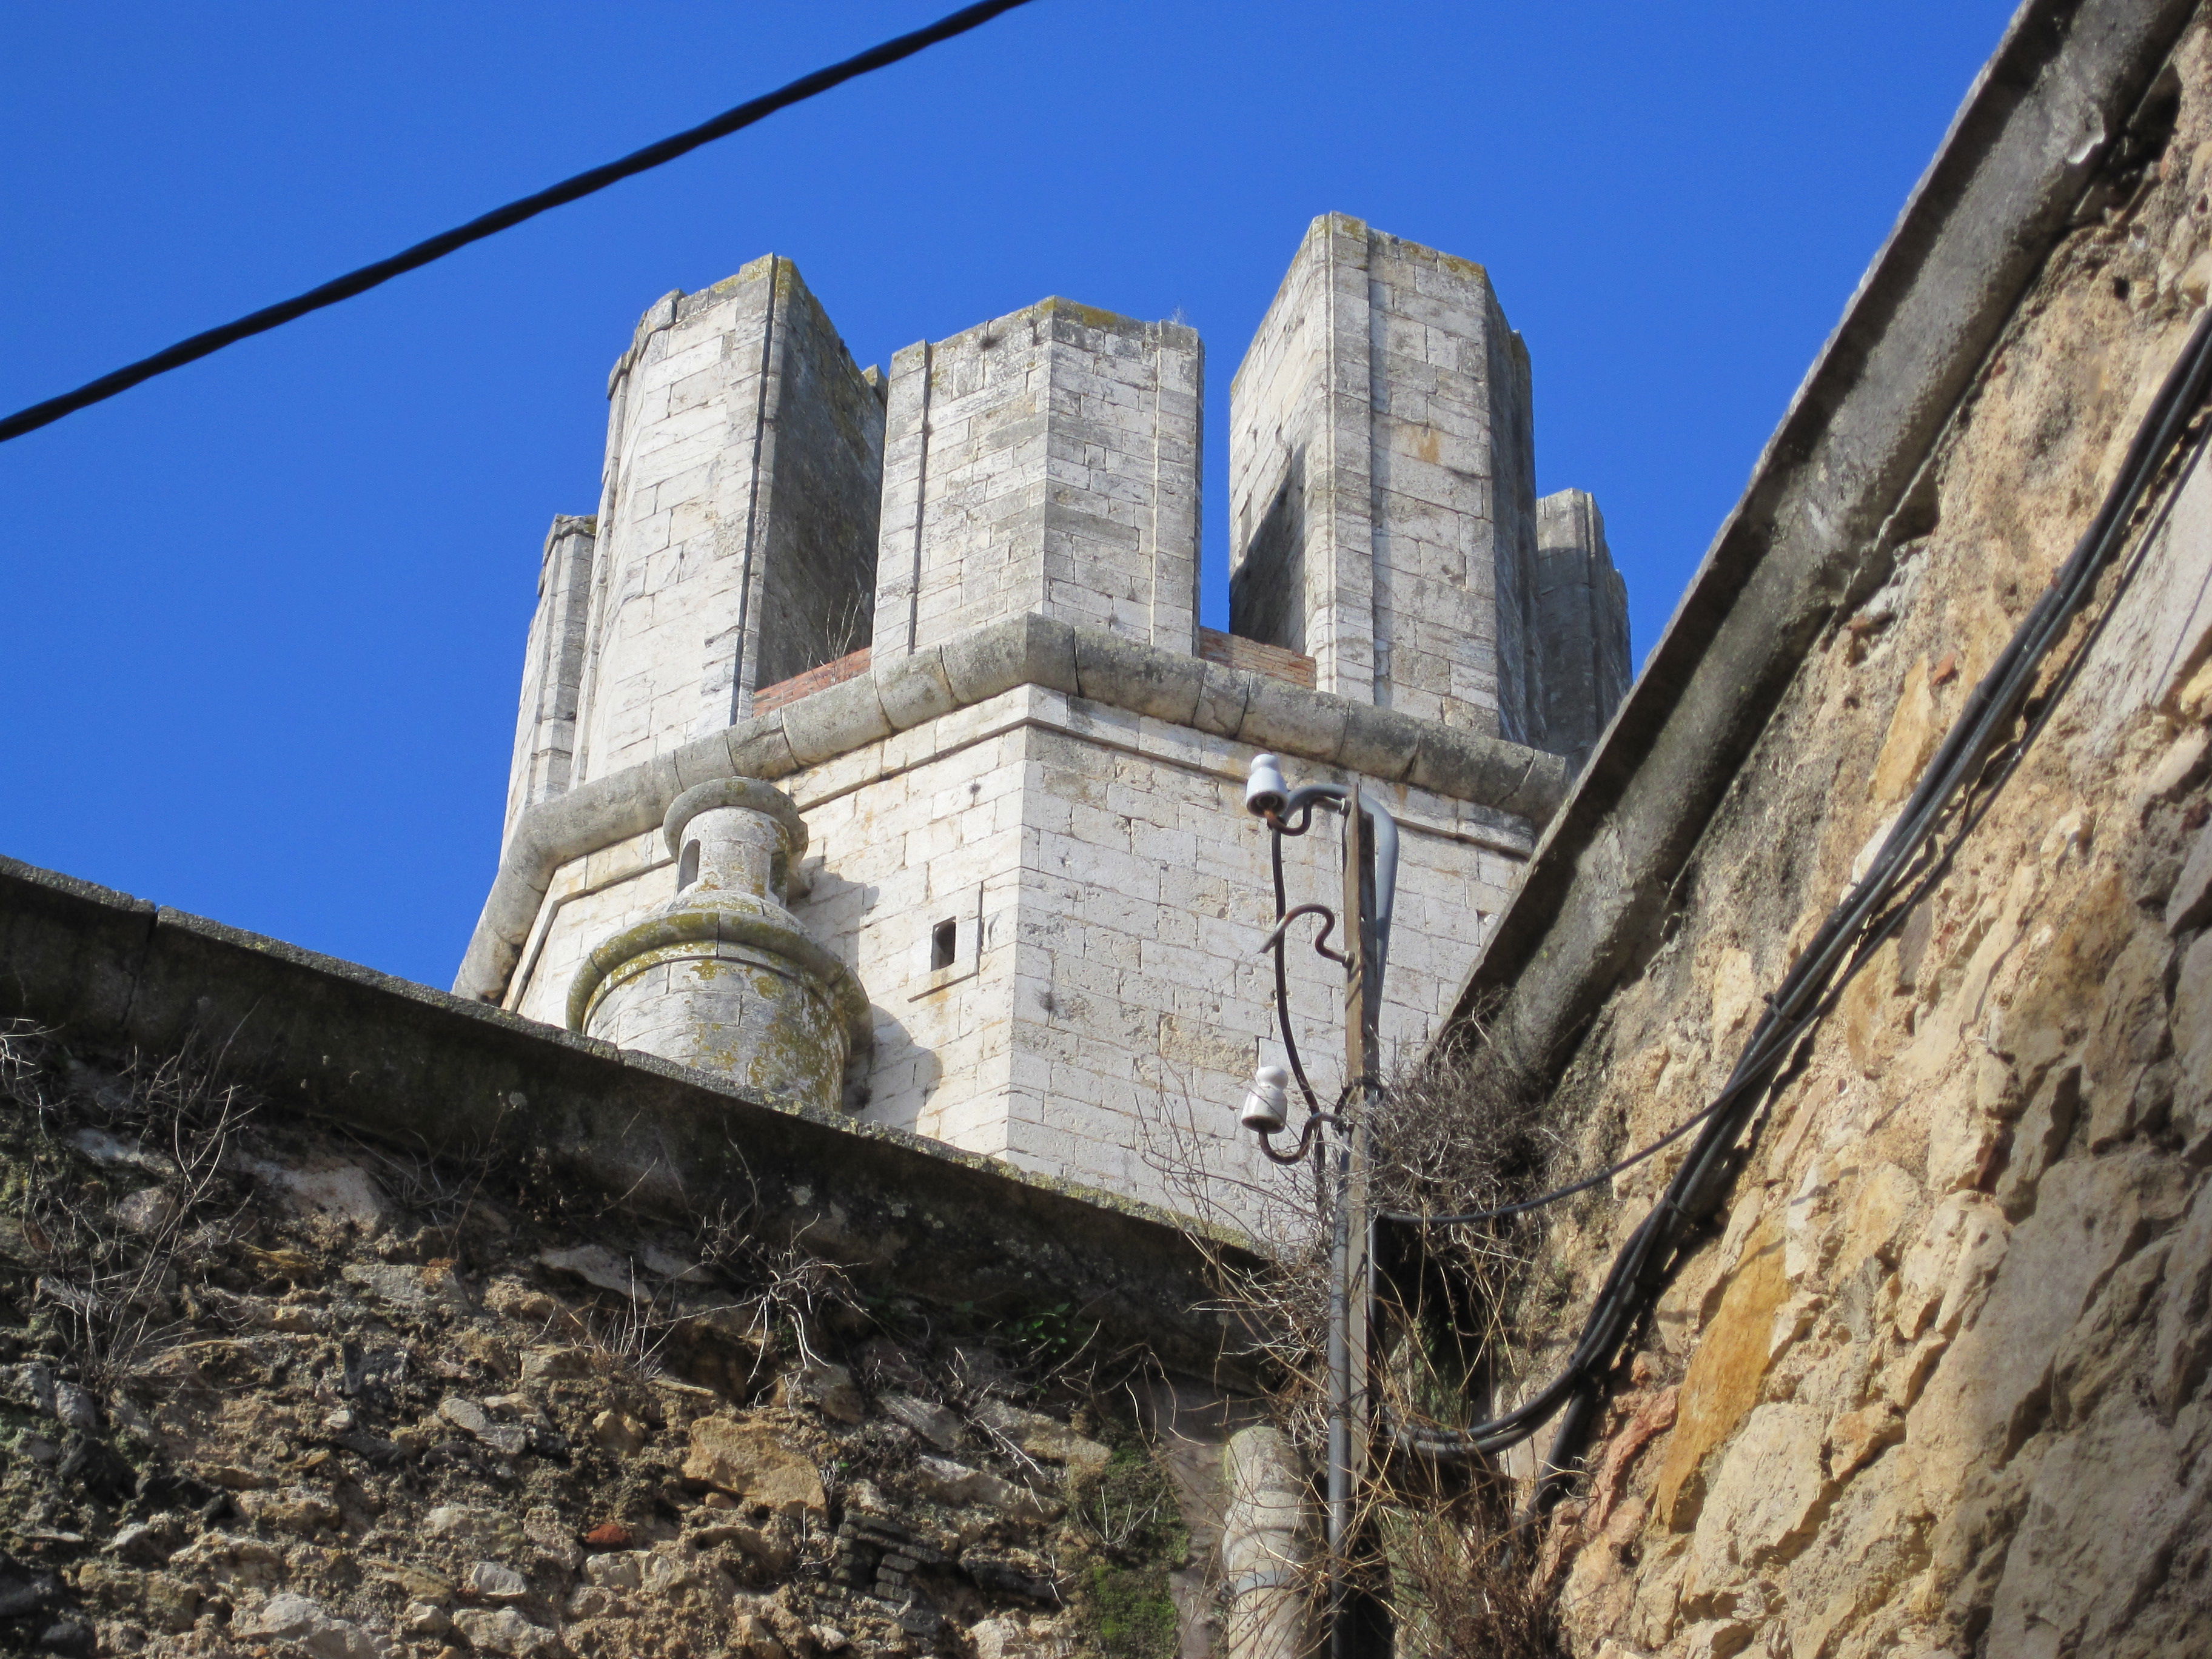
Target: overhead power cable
503, 218
1955, 790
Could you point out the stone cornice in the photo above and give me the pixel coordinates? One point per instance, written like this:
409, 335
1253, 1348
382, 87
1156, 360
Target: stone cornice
904, 692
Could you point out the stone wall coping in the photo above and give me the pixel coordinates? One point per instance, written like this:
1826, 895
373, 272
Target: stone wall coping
1816, 530
431, 1072
907, 691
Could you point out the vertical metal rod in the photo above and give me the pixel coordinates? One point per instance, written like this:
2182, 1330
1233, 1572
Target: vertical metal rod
1348, 1357
1342, 1481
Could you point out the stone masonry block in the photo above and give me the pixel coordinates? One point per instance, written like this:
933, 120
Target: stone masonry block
1380, 742
1108, 669
1046, 462
914, 688
1284, 717
760, 748
1381, 492
739, 515
1024, 650
835, 721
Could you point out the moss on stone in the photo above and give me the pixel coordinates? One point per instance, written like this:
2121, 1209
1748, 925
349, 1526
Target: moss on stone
1137, 1538
1129, 1612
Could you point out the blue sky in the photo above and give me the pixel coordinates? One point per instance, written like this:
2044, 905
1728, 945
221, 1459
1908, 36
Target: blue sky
263, 619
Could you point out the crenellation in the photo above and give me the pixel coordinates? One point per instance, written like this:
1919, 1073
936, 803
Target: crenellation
1382, 484
1581, 607
553, 668
1046, 461
739, 513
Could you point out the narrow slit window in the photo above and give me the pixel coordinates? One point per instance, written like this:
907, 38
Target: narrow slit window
687, 867
942, 939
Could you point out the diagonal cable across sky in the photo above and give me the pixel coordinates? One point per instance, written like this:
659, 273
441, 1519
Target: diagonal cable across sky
502, 218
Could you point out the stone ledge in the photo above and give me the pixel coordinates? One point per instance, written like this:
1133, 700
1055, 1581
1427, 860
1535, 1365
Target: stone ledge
433, 1072
903, 692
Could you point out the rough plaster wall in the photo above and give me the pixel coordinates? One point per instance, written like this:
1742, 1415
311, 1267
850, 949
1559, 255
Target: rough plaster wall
1582, 624
1046, 461
552, 670
1106, 1018
1937, 1385
692, 496
1381, 480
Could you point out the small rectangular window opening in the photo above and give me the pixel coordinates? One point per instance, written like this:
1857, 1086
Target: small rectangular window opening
942, 937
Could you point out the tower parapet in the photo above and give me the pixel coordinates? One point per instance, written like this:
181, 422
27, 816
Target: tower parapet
553, 670
736, 526
1382, 482
1581, 623
1046, 462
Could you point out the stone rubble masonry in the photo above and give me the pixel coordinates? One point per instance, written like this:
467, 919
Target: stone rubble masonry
1581, 623
552, 670
446, 1438
737, 527
416, 1067
1045, 462
1382, 484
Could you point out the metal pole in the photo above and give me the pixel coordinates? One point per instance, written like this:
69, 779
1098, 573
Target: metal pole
1347, 1355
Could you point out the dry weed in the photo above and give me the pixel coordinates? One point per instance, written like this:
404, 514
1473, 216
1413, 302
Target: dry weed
115, 1272
1461, 1131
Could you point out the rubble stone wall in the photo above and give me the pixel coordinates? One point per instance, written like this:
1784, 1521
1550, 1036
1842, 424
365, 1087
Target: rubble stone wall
1935, 1384
270, 1388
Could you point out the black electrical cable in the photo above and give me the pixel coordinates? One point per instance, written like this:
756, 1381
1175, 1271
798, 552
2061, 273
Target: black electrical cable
503, 218
1967, 757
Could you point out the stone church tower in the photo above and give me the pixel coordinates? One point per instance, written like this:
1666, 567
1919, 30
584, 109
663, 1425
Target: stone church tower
870, 748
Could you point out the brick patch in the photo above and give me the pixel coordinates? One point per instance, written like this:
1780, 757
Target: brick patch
769, 698
1278, 662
